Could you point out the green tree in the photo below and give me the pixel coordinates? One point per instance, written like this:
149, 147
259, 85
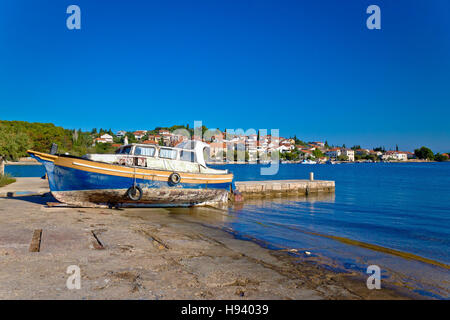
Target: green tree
13, 143
299, 142
439, 157
317, 153
131, 137
424, 153
104, 148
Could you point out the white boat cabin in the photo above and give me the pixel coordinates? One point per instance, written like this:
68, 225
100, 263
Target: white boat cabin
187, 156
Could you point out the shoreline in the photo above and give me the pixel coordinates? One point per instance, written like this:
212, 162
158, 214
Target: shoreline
322, 269
155, 254
179, 253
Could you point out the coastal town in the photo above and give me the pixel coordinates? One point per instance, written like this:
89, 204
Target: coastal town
227, 146
255, 148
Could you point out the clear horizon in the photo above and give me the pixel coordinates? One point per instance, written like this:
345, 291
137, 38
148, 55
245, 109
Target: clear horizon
308, 69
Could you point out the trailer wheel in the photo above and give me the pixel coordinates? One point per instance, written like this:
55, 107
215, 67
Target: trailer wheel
134, 193
174, 178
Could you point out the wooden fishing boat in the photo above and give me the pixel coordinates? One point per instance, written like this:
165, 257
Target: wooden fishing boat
137, 175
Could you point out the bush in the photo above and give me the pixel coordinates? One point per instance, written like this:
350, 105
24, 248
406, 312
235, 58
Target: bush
6, 179
439, 157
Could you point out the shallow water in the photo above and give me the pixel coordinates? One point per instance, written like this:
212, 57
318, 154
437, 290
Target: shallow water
400, 206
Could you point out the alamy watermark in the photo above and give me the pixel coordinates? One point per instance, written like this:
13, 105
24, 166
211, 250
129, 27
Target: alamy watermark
374, 20
73, 22
374, 280
237, 145
74, 280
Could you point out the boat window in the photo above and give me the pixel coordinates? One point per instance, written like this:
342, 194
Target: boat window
144, 151
187, 156
167, 153
125, 150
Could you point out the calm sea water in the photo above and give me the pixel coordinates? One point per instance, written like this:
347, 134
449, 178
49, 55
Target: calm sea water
400, 206
25, 170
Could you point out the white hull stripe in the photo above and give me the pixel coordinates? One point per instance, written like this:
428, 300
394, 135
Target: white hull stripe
144, 174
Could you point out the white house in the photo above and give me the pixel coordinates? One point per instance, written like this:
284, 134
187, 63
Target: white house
121, 133
349, 153
395, 155
318, 144
284, 148
140, 134
107, 138
333, 153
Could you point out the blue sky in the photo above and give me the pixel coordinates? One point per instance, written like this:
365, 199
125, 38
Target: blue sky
309, 68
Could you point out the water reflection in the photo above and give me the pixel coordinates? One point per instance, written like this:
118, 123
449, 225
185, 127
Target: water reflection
284, 200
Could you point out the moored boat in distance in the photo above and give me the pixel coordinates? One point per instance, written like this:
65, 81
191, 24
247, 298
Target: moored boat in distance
308, 161
137, 175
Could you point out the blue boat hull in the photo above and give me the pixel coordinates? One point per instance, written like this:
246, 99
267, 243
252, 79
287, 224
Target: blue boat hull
79, 187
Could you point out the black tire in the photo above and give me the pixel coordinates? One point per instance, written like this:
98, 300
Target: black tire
174, 178
134, 193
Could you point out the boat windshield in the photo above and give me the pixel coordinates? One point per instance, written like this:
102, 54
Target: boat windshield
144, 151
124, 150
167, 153
187, 145
187, 155
192, 150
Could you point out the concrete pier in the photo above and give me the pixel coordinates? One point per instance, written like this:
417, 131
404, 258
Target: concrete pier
275, 188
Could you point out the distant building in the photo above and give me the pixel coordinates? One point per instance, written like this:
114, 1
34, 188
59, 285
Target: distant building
107, 138
217, 150
349, 153
410, 155
333, 153
362, 152
139, 134
395, 155
164, 132
251, 146
317, 144
284, 148
149, 142
377, 153
305, 154
99, 140
121, 133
